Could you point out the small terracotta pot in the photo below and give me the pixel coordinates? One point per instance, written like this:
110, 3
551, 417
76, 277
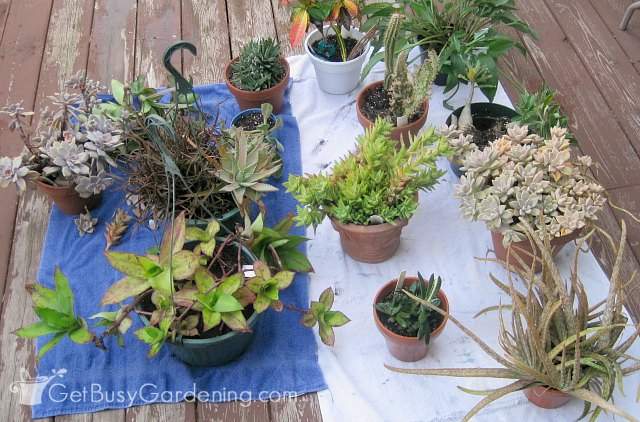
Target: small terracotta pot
547, 398
372, 244
501, 252
254, 99
67, 199
401, 133
406, 349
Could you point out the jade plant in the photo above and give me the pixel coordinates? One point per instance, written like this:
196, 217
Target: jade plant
522, 177
72, 145
194, 284
377, 183
554, 336
258, 66
405, 316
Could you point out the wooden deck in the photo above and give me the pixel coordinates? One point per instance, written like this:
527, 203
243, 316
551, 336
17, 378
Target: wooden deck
579, 52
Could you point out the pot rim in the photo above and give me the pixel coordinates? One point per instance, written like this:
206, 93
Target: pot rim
564, 238
360, 100
372, 228
265, 92
387, 332
54, 187
458, 110
250, 110
307, 48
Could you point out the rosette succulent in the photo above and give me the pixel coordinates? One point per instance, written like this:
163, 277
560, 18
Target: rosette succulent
522, 177
72, 144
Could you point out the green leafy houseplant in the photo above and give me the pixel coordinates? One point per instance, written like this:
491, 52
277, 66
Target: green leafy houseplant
462, 32
377, 183
258, 66
540, 112
555, 338
195, 285
407, 317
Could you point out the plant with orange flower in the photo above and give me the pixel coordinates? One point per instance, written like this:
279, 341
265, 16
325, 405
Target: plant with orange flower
337, 13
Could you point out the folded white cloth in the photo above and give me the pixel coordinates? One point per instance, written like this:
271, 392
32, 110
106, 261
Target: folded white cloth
437, 240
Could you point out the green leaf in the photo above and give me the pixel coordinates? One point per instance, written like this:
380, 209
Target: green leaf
326, 298
197, 234
235, 320
336, 318
64, 294
204, 280
326, 334
230, 284
227, 303
123, 289
261, 303
173, 239
210, 319
283, 279
131, 264
208, 248
81, 335
262, 270
50, 344
213, 227
117, 90
36, 329
184, 264
309, 319
258, 224
271, 291
149, 334
43, 297
162, 283
56, 319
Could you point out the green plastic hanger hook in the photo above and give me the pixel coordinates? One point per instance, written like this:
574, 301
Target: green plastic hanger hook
184, 87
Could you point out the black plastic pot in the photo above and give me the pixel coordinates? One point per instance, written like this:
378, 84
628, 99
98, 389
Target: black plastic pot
481, 112
214, 351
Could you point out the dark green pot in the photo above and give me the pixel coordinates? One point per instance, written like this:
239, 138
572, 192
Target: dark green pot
481, 112
214, 351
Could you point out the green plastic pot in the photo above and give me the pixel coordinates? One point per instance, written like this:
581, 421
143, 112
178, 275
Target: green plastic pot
214, 351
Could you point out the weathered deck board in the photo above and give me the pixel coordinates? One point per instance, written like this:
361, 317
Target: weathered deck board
4, 12
249, 19
205, 24
233, 411
301, 409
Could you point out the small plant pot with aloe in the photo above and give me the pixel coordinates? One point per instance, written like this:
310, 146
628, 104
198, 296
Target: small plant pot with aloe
197, 293
69, 154
403, 97
407, 326
524, 179
335, 47
370, 194
260, 74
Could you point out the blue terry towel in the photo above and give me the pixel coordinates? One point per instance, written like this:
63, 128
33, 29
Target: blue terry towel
281, 360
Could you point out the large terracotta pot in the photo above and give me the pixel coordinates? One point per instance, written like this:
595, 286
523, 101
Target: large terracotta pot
547, 398
501, 252
401, 133
67, 199
407, 349
254, 99
372, 244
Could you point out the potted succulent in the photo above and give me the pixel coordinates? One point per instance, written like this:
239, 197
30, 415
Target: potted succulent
406, 325
540, 112
178, 140
260, 74
403, 97
556, 345
522, 177
198, 293
69, 154
336, 49
372, 192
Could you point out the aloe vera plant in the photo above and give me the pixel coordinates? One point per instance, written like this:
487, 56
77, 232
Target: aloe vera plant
556, 338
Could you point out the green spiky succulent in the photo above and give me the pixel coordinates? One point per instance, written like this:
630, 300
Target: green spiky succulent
259, 66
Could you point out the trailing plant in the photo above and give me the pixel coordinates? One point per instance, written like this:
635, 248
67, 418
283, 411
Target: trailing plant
258, 66
540, 112
406, 91
555, 337
275, 246
522, 177
71, 145
407, 317
460, 31
375, 184
194, 284
338, 14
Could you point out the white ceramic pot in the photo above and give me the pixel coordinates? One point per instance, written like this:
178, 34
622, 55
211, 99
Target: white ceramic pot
336, 77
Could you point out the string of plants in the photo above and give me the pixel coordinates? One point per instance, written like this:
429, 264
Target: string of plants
218, 266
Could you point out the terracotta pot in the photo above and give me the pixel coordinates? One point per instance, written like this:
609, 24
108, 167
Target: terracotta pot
501, 252
406, 349
372, 244
254, 99
398, 133
67, 199
545, 397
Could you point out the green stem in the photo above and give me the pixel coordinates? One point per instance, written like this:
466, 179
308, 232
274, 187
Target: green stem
340, 40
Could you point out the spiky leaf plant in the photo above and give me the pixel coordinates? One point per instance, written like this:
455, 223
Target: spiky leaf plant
555, 337
258, 66
377, 183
